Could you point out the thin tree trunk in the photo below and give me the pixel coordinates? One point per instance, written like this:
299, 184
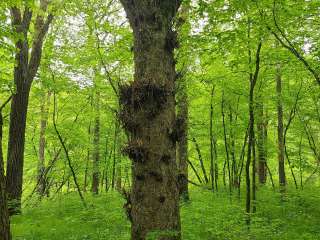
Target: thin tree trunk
114, 163
300, 163
261, 141
182, 144
286, 129
44, 112
270, 175
96, 144
234, 167
213, 151
254, 188
241, 160
195, 171
4, 213
86, 170
227, 161
253, 80
149, 104
67, 154
282, 174
118, 168
201, 161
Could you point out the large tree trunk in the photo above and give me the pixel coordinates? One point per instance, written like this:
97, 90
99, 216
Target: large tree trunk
282, 174
24, 73
4, 213
148, 113
18, 116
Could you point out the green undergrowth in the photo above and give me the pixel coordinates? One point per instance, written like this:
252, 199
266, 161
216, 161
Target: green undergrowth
207, 216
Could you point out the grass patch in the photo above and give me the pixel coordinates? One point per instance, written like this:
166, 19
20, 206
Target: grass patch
207, 216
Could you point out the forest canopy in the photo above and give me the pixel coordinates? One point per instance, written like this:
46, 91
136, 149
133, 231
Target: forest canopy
169, 120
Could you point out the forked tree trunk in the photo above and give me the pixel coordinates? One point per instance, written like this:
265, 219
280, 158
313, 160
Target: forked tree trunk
24, 72
251, 151
148, 114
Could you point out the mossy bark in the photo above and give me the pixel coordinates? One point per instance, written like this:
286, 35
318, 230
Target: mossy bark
148, 114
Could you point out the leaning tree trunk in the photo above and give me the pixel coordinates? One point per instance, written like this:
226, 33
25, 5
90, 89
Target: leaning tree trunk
148, 114
4, 214
24, 72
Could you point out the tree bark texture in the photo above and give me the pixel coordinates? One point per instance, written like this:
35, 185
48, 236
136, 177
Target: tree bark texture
148, 114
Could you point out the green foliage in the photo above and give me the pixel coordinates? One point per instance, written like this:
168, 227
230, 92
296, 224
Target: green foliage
208, 216
65, 218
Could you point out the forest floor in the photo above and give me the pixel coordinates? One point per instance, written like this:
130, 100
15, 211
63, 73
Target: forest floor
207, 216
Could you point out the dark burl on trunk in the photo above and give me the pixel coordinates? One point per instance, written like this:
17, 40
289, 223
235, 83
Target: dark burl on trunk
148, 114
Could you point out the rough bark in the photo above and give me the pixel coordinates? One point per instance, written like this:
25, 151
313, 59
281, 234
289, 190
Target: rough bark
148, 113
183, 106
24, 72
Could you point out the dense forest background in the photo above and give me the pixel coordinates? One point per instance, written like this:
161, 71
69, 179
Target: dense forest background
241, 86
